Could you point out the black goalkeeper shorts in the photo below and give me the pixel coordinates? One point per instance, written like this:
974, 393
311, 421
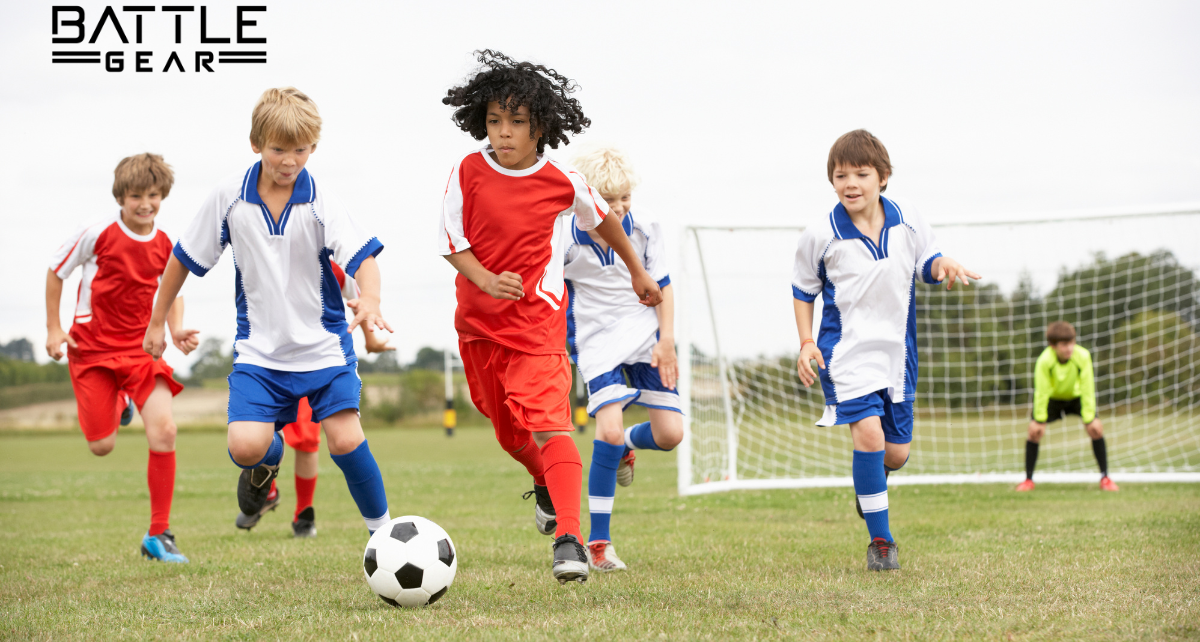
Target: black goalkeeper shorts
1060, 408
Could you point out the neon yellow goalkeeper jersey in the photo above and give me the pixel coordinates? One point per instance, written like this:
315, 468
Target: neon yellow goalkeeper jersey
1054, 380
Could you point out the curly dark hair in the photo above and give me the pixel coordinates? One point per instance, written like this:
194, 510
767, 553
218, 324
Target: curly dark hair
512, 84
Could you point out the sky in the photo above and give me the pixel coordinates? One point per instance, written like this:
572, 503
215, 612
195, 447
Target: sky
998, 111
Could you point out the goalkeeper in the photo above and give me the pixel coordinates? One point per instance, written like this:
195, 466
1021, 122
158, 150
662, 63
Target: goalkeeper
861, 259
1064, 384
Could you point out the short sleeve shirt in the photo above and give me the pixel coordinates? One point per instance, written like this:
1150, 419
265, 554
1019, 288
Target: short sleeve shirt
868, 333
511, 221
290, 314
121, 271
606, 323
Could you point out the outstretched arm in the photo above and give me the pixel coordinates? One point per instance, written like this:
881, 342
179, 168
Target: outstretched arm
55, 336
506, 285
643, 284
947, 268
366, 306
168, 290
808, 347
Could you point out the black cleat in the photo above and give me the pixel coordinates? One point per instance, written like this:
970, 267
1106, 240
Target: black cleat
246, 522
883, 555
253, 488
570, 560
127, 413
543, 510
305, 524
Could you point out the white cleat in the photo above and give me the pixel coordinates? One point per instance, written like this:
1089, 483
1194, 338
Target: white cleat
603, 557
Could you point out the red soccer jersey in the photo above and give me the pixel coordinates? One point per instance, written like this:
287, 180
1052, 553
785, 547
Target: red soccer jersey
510, 220
121, 271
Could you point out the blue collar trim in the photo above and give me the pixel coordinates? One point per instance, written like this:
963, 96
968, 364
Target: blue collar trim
303, 190
844, 228
582, 237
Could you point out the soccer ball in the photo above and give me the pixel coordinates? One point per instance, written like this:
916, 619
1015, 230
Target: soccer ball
410, 562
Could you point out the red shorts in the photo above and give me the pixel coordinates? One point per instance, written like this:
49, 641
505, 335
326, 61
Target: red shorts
98, 383
518, 391
303, 434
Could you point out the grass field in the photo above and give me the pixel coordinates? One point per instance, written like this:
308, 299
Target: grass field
1064, 562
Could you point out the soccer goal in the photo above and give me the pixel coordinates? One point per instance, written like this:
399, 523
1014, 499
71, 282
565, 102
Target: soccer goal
1129, 282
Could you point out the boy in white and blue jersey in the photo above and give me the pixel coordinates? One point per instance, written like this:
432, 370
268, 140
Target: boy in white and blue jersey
612, 337
286, 233
861, 259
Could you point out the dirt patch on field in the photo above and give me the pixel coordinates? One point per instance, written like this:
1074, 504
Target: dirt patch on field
192, 407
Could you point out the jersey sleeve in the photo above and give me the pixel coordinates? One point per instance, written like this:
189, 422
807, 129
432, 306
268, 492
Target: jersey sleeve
1041, 388
655, 259
347, 284
588, 207
77, 250
927, 247
807, 281
349, 242
1087, 387
202, 244
452, 238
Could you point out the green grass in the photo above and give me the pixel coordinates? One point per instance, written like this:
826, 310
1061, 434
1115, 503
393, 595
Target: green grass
1064, 562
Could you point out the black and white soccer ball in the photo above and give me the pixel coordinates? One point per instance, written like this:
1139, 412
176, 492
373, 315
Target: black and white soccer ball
410, 562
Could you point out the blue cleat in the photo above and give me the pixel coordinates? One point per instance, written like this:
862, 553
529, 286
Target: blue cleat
162, 547
127, 413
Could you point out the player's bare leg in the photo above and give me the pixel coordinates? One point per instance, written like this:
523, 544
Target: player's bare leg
159, 541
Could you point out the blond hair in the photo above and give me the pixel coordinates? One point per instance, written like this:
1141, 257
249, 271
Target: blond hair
285, 116
141, 172
607, 169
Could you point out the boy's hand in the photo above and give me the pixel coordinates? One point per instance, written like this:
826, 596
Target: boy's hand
366, 313
375, 343
808, 353
948, 268
155, 341
506, 285
54, 343
649, 294
185, 340
663, 357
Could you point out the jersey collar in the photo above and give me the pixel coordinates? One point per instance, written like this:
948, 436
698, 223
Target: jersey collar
303, 189
844, 228
528, 171
582, 237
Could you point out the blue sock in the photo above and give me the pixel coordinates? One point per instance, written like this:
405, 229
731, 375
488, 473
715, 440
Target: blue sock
870, 484
640, 437
602, 487
366, 485
272, 458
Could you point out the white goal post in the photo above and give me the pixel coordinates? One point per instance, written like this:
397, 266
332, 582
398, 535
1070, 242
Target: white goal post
1128, 281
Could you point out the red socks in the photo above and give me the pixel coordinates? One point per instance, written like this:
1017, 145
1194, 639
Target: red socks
160, 476
564, 477
304, 494
531, 458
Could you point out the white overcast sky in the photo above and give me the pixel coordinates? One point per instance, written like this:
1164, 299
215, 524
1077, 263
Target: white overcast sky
996, 110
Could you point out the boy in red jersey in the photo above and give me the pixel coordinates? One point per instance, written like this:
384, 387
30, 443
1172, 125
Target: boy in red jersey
304, 437
501, 230
122, 258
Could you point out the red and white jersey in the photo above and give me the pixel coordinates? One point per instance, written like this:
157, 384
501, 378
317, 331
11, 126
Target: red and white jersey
510, 220
606, 323
121, 271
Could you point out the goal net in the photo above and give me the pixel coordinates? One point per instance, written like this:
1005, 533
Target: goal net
1130, 283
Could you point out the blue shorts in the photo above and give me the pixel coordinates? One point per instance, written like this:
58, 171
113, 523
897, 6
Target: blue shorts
896, 418
645, 389
262, 394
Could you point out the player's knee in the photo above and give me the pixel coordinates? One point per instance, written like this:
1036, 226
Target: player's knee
341, 444
1095, 430
669, 437
895, 461
101, 447
247, 453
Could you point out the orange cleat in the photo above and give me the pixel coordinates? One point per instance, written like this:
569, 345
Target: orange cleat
1106, 483
1027, 485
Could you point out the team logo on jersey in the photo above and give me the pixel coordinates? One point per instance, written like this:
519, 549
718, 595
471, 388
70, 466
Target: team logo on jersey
221, 37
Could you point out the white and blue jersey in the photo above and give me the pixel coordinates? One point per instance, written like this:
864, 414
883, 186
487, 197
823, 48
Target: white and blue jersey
290, 314
610, 334
868, 333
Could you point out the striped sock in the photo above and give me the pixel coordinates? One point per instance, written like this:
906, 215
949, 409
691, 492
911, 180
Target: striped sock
640, 437
870, 484
602, 487
366, 485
